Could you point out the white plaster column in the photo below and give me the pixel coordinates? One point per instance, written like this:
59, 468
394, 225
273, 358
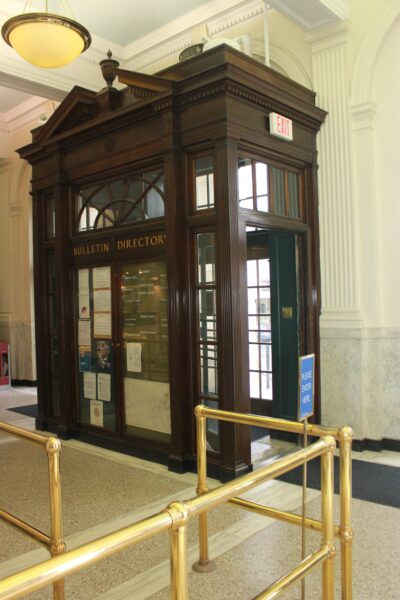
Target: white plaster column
341, 318
331, 81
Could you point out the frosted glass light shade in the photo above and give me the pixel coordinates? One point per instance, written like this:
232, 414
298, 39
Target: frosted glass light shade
46, 40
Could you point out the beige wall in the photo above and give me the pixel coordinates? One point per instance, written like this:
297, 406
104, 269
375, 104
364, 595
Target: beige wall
16, 269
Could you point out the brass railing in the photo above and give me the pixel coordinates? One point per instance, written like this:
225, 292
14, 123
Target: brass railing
175, 518
53, 542
344, 531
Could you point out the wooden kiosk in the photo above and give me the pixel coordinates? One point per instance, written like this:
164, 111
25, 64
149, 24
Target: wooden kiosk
175, 256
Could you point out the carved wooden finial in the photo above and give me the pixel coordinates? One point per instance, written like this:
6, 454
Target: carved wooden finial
109, 67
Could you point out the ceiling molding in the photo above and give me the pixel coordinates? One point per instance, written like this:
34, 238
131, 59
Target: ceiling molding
179, 26
313, 14
230, 18
160, 52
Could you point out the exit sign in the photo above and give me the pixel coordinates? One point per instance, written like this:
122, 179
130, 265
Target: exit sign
280, 126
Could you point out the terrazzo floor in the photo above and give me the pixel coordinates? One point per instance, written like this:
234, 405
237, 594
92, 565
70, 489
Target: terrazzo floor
103, 491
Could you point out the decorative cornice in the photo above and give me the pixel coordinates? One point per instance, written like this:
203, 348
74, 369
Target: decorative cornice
182, 25
329, 38
363, 116
245, 93
160, 52
230, 18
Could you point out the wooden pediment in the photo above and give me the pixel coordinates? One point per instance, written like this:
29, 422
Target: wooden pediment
80, 106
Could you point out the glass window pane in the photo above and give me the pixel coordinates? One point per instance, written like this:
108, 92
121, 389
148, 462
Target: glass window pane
252, 300
206, 258
245, 183
266, 357
125, 200
254, 384
208, 369
263, 203
264, 271
262, 187
294, 195
204, 176
207, 315
253, 323
254, 357
251, 272
265, 324
265, 301
278, 190
266, 386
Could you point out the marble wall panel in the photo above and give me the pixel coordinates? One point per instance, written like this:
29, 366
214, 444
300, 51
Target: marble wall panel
360, 381
341, 402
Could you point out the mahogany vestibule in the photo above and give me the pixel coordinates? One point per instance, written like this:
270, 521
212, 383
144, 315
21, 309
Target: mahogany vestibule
175, 256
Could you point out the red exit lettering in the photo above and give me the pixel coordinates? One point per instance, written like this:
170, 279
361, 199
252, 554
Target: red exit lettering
280, 126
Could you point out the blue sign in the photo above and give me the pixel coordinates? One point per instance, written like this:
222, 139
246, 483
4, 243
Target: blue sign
306, 386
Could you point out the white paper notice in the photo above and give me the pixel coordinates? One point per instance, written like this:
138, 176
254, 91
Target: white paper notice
84, 307
104, 387
134, 357
96, 413
83, 281
102, 325
102, 300
101, 277
89, 385
84, 338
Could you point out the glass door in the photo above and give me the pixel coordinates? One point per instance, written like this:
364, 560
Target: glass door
259, 321
144, 335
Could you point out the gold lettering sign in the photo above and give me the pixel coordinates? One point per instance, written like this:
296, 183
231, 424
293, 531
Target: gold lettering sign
144, 241
96, 248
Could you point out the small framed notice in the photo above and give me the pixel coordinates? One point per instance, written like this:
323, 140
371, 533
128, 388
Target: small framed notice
306, 387
134, 357
101, 278
96, 413
89, 386
104, 387
102, 325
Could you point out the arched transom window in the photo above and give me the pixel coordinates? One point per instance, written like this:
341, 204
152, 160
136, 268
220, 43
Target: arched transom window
129, 199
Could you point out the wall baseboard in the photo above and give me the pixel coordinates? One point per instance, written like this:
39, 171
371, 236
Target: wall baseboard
23, 383
376, 445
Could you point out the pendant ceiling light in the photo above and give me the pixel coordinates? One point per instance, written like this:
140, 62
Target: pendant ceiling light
45, 39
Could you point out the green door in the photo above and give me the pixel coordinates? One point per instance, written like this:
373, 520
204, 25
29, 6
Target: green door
285, 323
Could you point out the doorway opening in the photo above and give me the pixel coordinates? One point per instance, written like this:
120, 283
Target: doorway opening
274, 312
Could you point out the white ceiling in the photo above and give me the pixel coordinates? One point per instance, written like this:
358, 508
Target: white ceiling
9, 98
119, 21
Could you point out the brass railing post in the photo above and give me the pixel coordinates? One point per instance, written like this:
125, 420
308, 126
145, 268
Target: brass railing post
328, 592
204, 564
178, 541
53, 448
346, 532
